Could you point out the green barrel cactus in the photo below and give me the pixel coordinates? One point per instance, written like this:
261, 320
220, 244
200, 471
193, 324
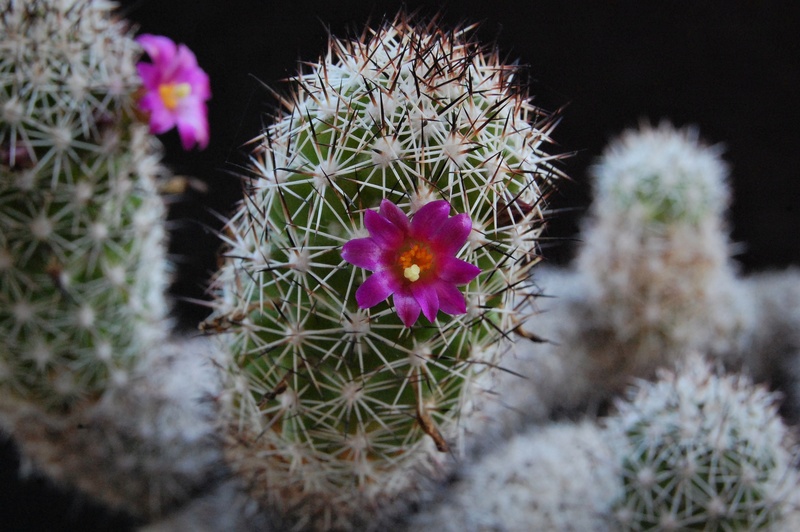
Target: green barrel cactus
409, 152
82, 257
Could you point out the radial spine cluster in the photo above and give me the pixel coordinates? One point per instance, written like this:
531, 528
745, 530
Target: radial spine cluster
334, 402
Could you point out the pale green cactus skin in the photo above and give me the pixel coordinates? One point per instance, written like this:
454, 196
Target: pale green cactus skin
703, 452
82, 257
334, 403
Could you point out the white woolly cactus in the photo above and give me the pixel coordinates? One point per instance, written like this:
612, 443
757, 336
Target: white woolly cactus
339, 397
661, 176
557, 477
703, 452
655, 263
145, 448
82, 260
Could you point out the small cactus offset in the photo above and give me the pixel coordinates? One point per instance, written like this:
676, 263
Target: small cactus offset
410, 153
82, 257
703, 452
653, 278
656, 257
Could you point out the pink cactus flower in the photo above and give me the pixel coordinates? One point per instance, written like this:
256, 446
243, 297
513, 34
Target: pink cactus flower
413, 261
176, 90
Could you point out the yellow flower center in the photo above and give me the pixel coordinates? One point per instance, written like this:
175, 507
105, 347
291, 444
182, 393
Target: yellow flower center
172, 93
415, 261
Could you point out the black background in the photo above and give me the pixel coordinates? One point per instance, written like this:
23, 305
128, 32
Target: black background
732, 68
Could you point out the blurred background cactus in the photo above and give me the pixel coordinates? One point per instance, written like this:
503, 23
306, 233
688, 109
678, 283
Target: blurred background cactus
580, 350
703, 452
86, 389
83, 255
653, 278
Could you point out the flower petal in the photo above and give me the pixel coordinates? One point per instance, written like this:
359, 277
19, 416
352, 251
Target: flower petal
201, 86
185, 60
451, 300
392, 212
362, 252
407, 307
384, 232
187, 71
160, 49
151, 76
429, 219
452, 234
376, 288
161, 120
425, 294
192, 121
456, 271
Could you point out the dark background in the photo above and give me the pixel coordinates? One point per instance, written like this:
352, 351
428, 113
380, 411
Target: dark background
732, 68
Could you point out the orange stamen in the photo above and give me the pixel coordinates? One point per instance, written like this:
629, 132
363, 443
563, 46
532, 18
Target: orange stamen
172, 93
415, 261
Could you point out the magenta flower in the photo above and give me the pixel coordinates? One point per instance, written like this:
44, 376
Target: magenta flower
413, 261
176, 90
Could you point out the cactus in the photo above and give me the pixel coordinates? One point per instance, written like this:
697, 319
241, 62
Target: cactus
82, 257
703, 452
774, 298
338, 398
555, 477
652, 281
404, 175
145, 448
656, 258
87, 383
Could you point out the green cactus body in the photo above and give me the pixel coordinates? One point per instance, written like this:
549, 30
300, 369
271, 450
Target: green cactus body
82, 264
703, 452
334, 399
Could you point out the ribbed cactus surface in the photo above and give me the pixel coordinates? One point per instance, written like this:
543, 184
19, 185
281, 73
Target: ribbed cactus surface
338, 392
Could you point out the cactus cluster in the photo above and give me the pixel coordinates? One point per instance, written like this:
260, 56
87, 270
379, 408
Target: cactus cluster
333, 403
405, 173
703, 452
82, 258
693, 450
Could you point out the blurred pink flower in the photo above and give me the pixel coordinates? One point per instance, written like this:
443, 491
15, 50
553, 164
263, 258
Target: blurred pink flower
413, 261
176, 90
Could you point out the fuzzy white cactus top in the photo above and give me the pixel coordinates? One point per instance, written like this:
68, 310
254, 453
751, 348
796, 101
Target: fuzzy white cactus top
663, 175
